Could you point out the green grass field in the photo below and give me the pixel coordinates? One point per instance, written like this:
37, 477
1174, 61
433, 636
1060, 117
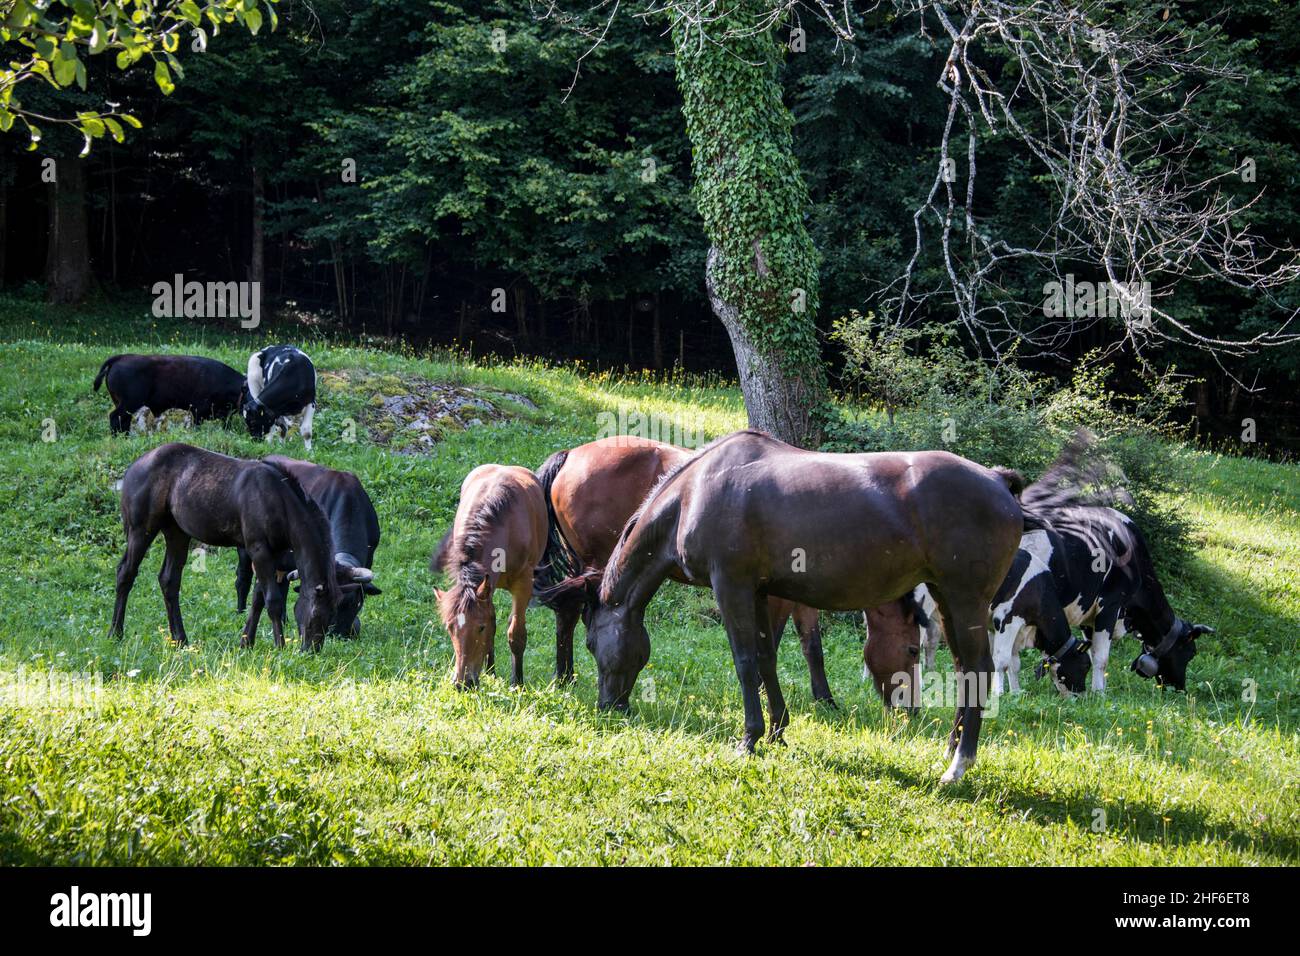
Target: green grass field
365, 753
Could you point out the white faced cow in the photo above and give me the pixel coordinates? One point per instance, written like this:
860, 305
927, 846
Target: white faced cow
281, 383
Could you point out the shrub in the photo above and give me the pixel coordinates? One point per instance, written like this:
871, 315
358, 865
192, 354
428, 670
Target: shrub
910, 390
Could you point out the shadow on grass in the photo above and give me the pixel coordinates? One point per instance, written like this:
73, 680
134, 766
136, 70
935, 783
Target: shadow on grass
1127, 820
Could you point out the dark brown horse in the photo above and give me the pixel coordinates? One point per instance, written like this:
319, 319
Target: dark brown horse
752, 516
591, 491
188, 493
495, 542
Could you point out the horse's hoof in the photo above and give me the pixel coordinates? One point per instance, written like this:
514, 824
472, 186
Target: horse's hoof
746, 747
828, 701
956, 770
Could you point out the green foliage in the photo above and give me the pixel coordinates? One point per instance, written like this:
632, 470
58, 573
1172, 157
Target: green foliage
53, 36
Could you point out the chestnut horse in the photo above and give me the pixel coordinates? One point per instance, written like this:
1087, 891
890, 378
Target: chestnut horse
891, 656
187, 493
591, 491
495, 542
751, 516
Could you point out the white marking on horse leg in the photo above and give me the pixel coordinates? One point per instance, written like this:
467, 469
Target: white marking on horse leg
931, 643
1100, 652
956, 769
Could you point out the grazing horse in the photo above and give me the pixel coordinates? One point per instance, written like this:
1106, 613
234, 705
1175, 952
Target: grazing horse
891, 655
591, 491
354, 533
751, 516
495, 542
204, 387
191, 493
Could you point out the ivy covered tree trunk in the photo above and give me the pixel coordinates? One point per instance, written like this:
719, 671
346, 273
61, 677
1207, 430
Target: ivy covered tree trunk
762, 267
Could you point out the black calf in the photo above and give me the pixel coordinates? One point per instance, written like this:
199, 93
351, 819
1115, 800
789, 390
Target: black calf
204, 387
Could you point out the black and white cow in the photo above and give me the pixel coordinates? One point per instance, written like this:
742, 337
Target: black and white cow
1038, 605
203, 387
281, 382
1107, 585
354, 530
1090, 570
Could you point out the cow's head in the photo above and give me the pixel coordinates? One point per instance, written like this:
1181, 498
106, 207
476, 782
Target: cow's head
347, 621
1167, 661
1069, 665
353, 585
257, 416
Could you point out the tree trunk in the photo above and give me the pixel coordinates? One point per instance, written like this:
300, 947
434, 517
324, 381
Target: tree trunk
68, 276
257, 258
658, 336
521, 312
762, 266
776, 401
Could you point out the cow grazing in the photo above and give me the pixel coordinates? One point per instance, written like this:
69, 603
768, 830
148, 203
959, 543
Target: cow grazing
201, 386
1037, 606
1105, 576
354, 536
281, 383
1107, 585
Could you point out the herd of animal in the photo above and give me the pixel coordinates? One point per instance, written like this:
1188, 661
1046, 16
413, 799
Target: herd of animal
929, 543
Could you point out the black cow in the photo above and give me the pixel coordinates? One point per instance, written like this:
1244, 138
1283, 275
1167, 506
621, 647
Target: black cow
281, 382
204, 387
354, 531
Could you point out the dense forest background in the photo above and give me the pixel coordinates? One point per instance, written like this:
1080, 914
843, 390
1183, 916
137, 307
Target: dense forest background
475, 172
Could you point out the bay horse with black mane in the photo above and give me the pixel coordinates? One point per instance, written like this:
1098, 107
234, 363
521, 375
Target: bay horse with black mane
495, 542
751, 516
591, 491
187, 493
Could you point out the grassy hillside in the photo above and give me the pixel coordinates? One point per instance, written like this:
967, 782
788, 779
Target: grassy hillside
365, 754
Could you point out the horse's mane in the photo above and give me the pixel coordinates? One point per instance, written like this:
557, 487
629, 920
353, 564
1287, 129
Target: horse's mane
461, 557
610, 576
316, 524
1077, 495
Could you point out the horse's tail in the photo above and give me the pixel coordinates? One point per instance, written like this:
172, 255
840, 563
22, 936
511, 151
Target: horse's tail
573, 592
103, 370
1014, 481
559, 560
